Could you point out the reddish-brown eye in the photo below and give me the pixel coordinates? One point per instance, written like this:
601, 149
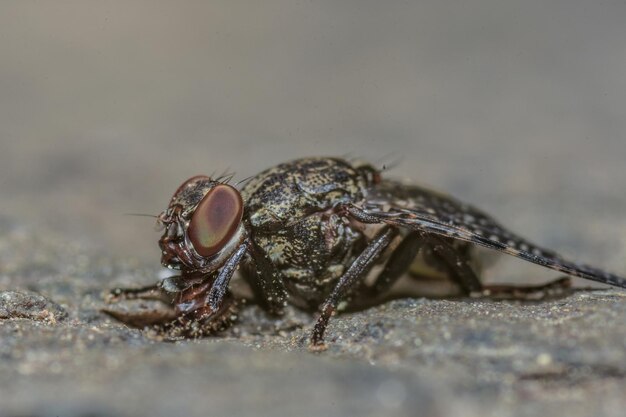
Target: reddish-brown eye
215, 220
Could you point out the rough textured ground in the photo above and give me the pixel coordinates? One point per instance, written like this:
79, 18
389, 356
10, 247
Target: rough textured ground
107, 106
62, 356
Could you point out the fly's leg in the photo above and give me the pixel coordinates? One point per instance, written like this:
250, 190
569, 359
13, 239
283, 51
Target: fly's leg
194, 303
203, 321
399, 262
149, 292
458, 265
217, 292
206, 299
553, 289
164, 290
463, 274
185, 313
357, 271
397, 265
176, 294
143, 317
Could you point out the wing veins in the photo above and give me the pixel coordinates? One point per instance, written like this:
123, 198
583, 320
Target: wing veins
422, 210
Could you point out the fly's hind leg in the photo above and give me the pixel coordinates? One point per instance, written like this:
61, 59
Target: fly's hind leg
553, 289
461, 272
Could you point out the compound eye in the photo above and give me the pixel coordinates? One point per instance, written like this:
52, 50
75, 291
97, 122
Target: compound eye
215, 220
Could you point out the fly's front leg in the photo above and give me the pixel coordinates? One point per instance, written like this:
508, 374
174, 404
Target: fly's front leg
164, 290
176, 295
357, 271
149, 292
195, 297
207, 299
142, 317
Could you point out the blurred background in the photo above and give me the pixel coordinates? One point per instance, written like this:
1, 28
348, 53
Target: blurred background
517, 107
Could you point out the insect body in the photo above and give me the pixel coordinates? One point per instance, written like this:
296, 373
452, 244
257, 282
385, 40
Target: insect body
308, 232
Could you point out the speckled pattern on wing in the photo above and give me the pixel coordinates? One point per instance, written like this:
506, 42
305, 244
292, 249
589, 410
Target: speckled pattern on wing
425, 210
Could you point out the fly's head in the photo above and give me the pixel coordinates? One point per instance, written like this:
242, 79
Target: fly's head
202, 225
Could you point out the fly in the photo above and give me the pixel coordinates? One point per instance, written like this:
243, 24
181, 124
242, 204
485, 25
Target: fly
308, 232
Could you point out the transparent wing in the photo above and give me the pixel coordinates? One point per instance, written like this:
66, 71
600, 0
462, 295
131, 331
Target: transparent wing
425, 210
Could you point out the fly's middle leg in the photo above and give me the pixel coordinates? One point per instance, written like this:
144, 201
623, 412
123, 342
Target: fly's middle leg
357, 271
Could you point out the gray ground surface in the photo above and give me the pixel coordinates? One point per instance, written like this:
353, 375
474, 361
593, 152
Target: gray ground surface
62, 356
105, 107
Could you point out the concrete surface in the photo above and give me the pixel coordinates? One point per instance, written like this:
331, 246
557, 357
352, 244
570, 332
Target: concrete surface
105, 107
406, 357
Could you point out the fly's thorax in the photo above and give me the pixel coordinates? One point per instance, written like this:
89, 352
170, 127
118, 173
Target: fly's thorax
296, 189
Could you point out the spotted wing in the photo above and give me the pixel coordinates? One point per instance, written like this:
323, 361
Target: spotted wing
421, 209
